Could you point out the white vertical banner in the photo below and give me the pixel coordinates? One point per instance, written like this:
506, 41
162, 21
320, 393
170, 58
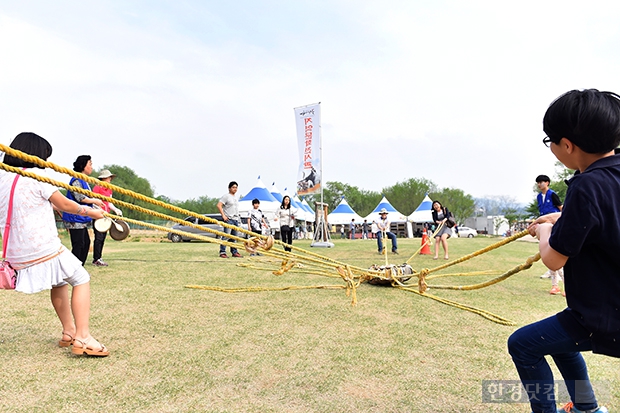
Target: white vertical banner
308, 122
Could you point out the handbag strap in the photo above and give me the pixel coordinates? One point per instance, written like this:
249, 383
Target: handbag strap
7, 227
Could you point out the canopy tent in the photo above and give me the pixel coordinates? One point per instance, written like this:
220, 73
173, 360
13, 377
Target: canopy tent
308, 207
423, 213
393, 214
268, 204
308, 213
275, 192
343, 214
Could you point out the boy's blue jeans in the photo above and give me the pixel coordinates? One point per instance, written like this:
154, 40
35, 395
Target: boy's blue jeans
528, 347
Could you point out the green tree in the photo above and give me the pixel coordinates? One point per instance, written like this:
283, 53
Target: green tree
362, 202
365, 202
512, 216
562, 174
407, 195
460, 204
202, 205
126, 178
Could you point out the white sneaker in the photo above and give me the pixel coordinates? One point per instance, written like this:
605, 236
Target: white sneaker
100, 263
546, 275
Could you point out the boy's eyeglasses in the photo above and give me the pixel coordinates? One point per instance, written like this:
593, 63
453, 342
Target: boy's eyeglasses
547, 141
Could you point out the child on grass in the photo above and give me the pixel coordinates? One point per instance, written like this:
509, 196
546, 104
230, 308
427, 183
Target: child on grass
583, 129
35, 251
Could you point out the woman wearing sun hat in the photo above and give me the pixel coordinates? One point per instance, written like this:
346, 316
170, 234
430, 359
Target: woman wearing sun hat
104, 176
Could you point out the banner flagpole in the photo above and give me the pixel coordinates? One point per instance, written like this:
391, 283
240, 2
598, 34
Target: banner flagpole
310, 181
322, 236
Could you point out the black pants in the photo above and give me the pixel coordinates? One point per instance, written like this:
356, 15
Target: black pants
80, 243
98, 244
286, 233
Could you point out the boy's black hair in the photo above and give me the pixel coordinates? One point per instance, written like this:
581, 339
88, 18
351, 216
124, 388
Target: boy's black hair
542, 178
231, 184
588, 118
32, 144
81, 162
255, 201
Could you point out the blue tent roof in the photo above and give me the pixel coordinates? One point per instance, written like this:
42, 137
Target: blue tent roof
343, 213
308, 208
262, 194
423, 211
343, 208
307, 213
426, 204
276, 193
395, 217
384, 204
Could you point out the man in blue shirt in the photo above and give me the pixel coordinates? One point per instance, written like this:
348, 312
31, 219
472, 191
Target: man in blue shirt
549, 202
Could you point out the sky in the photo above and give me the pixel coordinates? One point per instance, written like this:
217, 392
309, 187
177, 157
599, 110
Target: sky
192, 94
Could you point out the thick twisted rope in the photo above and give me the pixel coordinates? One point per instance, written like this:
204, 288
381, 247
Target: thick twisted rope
428, 242
258, 289
491, 247
483, 313
307, 255
46, 164
348, 273
526, 265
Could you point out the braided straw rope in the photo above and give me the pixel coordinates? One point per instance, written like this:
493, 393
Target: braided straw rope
45, 164
290, 261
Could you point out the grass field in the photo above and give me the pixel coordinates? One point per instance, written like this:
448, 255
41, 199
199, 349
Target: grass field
175, 349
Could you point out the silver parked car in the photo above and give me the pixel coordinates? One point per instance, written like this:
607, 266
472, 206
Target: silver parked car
466, 232
203, 223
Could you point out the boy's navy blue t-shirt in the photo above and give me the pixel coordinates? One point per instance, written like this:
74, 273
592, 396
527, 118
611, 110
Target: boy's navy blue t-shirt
588, 232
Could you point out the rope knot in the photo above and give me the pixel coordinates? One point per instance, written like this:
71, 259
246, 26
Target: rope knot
347, 276
284, 267
252, 244
422, 286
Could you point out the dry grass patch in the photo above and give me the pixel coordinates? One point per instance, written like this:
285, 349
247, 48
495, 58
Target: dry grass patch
176, 349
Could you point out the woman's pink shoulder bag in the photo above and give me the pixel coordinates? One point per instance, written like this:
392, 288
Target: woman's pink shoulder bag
8, 276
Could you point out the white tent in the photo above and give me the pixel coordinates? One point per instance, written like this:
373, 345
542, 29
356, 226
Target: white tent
260, 192
307, 212
268, 204
393, 214
298, 210
275, 192
343, 214
308, 208
423, 212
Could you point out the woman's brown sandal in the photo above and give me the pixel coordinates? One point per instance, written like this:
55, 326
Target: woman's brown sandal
87, 349
65, 343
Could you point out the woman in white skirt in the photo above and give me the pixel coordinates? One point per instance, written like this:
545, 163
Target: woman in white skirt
35, 251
